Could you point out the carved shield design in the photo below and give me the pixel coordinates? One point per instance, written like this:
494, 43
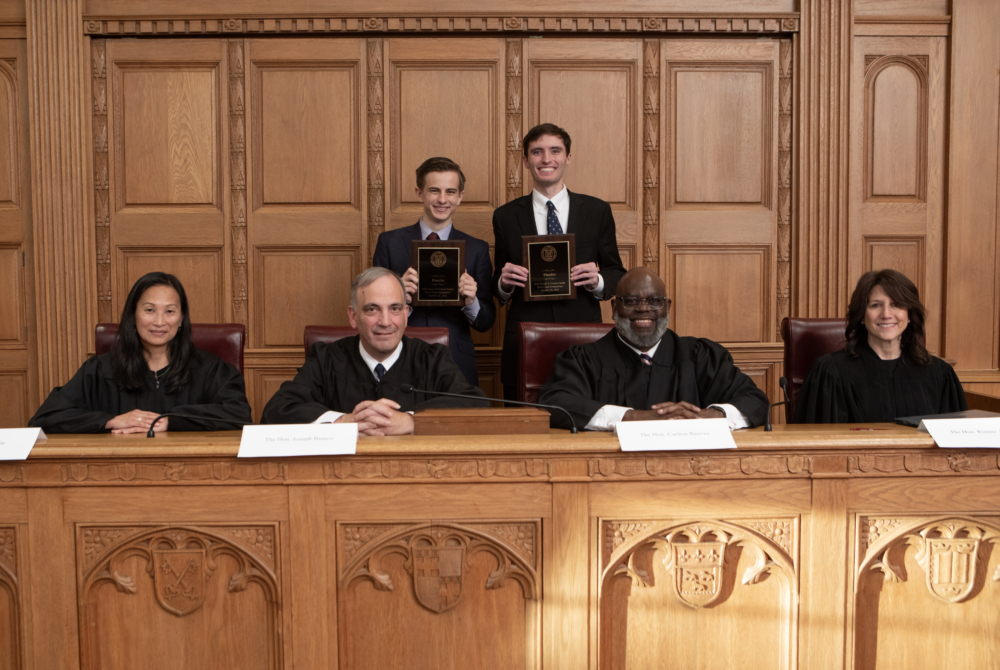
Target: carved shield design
179, 579
437, 576
952, 569
698, 572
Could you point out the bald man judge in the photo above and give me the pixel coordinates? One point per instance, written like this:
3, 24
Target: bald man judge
643, 371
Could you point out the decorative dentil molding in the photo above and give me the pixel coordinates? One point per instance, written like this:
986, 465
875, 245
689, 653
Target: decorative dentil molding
694, 555
437, 469
180, 561
948, 551
437, 556
424, 24
238, 181
376, 143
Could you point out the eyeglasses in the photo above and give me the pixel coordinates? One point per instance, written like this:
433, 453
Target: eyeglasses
652, 301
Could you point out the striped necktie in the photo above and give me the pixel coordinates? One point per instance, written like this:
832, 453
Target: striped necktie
646, 359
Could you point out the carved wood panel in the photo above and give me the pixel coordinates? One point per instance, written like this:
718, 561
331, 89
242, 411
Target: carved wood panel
665, 583
200, 596
926, 591
439, 583
10, 598
14, 391
899, 252
12, 299
726, 181
200, 269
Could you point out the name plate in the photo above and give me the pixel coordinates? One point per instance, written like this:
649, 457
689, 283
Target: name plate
549, 259
963, 433
674, 435
305, 439
439, 265
16, 443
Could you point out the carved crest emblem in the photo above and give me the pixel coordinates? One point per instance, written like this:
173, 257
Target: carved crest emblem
549, 253
698, 572
437, 576
179, 578
952, 569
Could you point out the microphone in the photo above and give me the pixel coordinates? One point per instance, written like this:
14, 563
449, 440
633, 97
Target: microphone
408, 388
783, 383
149, 433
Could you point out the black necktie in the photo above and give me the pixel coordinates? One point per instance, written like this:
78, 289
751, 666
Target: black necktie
379, 372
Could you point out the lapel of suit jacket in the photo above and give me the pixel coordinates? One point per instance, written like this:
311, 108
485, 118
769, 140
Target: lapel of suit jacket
526, 217
414, 231
575, 213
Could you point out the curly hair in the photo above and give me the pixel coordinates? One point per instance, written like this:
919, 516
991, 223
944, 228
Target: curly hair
905, 295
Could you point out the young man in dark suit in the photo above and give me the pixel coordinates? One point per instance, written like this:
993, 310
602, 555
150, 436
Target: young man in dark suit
440, 185
551, 209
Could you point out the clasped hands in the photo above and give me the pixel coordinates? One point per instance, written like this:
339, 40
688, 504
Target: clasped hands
466, 286
379, 417
136, 421
673, 410
585, 275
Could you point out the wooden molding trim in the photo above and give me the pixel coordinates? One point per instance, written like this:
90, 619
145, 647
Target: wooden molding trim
769, 23
651, 154
784, 251
940, 20
376, 145
59, 129
238, 181
514, 108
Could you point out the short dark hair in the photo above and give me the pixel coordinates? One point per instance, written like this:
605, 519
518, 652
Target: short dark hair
545, 129
902, 292
127, 361
440, 164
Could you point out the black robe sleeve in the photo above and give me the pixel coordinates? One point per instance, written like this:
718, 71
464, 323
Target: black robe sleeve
823, 398
720, 382
79, 406
574, 385
216, 397
301, 399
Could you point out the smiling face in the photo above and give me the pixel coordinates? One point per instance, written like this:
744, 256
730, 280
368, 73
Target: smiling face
884, 321
641, 325
158, 316
547, 160
380, 316
441, 197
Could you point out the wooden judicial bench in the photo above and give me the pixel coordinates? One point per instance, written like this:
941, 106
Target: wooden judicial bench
808, 547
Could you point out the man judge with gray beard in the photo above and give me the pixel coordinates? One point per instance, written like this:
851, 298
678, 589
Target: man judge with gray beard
644, 371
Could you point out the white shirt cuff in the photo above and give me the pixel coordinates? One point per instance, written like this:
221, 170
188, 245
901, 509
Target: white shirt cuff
735, 417
505, 296
599, 289
329, 417
471, 311
606, 418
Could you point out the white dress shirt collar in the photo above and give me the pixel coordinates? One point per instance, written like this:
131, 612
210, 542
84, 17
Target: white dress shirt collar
652, 350
541, 210
387, 363
443, 234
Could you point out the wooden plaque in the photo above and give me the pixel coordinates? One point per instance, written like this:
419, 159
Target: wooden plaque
549, 259
439, 265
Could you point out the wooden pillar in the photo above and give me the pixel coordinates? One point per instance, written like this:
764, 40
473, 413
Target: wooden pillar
63, 243
820, 241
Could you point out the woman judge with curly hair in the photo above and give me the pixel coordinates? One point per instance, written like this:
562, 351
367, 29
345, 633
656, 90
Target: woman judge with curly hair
152, 368
883, 371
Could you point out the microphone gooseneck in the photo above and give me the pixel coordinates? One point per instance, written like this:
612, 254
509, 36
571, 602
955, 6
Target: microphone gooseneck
783, 383
149, 433
408, 388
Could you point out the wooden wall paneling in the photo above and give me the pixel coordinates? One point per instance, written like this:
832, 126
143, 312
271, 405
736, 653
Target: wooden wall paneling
820, 263
17, 405
595, 89
306, 183
65, 308
168, 168
447, 98
311, 585
11, 610
238, 182
824, 586
721, 176
974, 108
651, 154
376, 125
265, 370
898, 165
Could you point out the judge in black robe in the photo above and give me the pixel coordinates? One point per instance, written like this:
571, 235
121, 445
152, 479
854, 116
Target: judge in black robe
867, 389
335, 378
610, 375
215, 397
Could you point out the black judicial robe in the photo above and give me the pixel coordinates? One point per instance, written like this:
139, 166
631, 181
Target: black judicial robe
866, 389
335, 377
216, 395
607, 372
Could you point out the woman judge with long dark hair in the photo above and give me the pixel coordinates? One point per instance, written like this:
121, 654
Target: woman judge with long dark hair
152, 368
883, 371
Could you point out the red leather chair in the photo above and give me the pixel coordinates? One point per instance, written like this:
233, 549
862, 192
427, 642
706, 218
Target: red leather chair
539, 344
805, 341
314, 334
225, 340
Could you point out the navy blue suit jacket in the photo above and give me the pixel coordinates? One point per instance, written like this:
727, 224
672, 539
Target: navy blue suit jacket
393, 251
